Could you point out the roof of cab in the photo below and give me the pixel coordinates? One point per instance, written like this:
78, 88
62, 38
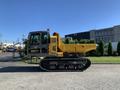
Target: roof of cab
37, 32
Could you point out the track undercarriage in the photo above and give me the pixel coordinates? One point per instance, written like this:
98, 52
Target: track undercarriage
65, 64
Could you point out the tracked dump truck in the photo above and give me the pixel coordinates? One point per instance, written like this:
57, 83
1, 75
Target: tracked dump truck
55, 55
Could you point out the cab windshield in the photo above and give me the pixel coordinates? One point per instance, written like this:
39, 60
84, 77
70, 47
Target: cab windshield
39, 38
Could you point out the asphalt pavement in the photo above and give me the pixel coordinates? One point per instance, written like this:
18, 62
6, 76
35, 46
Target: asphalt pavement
15, 74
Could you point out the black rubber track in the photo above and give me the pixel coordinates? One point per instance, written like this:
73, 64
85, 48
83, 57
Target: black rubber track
65, 64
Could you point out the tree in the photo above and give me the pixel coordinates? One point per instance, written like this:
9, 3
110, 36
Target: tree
26, 45
118, 48
67, 41
82, 41
109, 51
100, 48
76, 41
91, 41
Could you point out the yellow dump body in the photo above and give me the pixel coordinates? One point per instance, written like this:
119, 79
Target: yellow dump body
77, 48
57, 47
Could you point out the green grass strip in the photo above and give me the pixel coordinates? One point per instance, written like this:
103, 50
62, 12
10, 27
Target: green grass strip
107, 59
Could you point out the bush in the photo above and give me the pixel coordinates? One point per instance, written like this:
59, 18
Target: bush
118, 48
115, 53
100, 48
109, 51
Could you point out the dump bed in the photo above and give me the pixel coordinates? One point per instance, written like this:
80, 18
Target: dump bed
78, 48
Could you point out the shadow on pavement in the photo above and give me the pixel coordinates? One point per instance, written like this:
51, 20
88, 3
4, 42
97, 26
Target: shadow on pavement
10, 60
13, 69
20, 69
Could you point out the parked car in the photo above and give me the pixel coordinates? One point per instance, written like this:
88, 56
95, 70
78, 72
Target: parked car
10, 49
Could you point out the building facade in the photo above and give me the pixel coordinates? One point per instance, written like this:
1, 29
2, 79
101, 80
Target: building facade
111, 34
106, 35
82, 35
